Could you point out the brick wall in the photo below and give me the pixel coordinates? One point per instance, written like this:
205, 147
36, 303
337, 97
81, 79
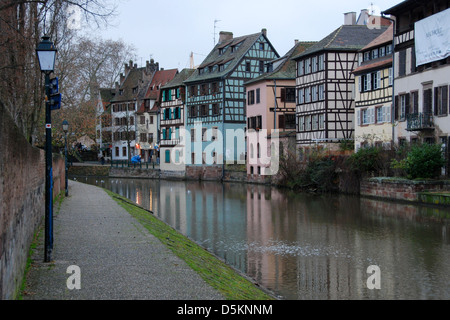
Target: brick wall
22, 200
400, 189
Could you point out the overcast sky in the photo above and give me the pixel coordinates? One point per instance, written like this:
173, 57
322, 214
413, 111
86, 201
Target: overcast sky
168, 30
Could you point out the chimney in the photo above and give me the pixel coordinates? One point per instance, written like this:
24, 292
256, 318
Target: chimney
296, 41
264, 32
350, 18
225, 36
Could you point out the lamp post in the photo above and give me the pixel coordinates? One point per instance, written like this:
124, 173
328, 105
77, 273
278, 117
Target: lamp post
46, 53
65, 126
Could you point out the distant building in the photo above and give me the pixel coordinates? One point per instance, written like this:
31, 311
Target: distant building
172, 124
130, 92
373, 96
148, 125
103, 121
270, 105
215, 100
326, 86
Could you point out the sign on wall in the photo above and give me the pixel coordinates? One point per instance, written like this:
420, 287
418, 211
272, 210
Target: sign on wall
432, 37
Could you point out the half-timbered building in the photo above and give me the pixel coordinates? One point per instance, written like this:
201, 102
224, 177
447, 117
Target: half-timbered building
215, 98
172, 123
270, 105
373, 96
130, 91
422, 69
325, 86
147, 117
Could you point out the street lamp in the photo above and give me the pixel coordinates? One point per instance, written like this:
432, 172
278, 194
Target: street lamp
46, 53
65, 126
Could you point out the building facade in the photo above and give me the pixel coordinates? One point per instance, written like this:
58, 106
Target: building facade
172, 124
421, 72
325, 86
373, 97
130, 92
270, 105
148, 125
215, 99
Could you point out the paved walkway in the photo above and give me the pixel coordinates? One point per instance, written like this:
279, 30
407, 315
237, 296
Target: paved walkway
117, 257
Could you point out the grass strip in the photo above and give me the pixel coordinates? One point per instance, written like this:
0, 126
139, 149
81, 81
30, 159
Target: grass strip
225, 279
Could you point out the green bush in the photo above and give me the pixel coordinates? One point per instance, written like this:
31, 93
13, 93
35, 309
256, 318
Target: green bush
366, 160
422, 162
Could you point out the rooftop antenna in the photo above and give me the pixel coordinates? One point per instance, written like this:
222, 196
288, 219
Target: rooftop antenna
215, 26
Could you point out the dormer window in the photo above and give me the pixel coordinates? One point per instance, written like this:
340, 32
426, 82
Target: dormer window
121, 92
135, 89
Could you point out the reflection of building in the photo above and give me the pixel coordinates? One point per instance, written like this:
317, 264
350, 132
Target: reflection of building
422, 71
103, 121
373, 94
172, 206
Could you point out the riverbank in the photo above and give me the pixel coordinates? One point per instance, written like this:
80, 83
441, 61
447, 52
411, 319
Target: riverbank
124, 252
429, 192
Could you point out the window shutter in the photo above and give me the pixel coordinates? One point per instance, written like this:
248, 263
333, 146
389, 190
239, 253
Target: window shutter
358, 117
378, 79
407, 106
436, 101
369, 81
360, 81
445, 100
283, 94
396, 108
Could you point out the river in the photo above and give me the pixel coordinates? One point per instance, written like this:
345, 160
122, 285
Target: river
304, 246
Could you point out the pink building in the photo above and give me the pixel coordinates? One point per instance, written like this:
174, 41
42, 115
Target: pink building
270, 105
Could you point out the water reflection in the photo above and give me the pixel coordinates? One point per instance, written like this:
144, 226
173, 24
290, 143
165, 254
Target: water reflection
303, 246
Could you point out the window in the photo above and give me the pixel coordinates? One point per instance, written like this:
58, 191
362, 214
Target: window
427, 100
261, 46
391, 76
314, 93
308, 123
247, 67
193, 111
193, 135
307, 95
314, 64
143, 137
308, 66
315, 122
322, 92
251, 97
204, 112
289, 122
117, 152
301, 96
300, 68
124, 151
167, 156
374, 53
215, 109
301, 124
441, 100
366, 82
415, 102
322, 121
204, 135
142, 120
367, 56
151, 119
261, 66
380, 115
321, 66
376, 80
258, 95
290, 95
403, 105
402, 63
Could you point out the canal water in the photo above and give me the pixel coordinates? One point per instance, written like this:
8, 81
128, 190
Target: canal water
304, 246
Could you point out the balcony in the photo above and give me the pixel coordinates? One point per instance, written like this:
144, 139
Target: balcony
420, 122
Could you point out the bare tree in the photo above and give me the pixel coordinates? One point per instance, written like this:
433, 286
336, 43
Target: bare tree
22, 24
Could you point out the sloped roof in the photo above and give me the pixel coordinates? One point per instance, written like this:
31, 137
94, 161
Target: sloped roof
344, 38
287, 67
132, 80
243, 44
385, 38
161, 78
178, 80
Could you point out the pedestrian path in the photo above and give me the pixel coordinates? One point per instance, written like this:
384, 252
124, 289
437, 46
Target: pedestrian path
113, 255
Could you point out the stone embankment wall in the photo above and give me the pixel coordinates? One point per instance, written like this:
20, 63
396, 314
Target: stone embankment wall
400, 189
22, 200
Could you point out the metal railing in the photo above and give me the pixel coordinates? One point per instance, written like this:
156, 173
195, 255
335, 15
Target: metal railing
129, 164
420, 121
